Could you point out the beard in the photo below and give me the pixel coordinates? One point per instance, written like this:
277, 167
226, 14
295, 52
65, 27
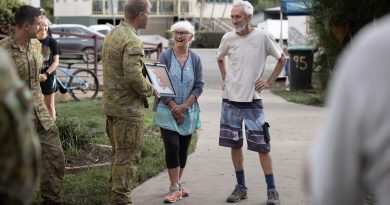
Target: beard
143, 25
241, 28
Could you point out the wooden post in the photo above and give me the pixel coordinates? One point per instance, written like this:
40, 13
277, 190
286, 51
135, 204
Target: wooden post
95, 53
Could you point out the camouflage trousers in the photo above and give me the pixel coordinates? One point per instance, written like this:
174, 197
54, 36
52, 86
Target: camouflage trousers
53, 165
20, 156
126, 136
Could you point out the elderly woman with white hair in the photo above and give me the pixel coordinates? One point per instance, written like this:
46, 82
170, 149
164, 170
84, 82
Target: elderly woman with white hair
178, 117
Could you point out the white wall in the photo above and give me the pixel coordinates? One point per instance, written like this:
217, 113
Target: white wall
218, 10
273, 26
297, 30
35, 3
72, 7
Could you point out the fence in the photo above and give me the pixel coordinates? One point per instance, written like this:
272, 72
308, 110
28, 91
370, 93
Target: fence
149, 47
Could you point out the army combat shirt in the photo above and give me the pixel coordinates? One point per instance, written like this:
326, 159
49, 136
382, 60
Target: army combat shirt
124, 84
28, 63
19, 145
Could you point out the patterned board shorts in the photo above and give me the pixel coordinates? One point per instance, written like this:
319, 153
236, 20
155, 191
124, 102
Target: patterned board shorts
232, 116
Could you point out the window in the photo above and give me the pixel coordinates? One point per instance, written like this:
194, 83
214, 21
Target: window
107, 7
185, 7
121, 6
217, 1
154, 6
57, 30
166, 7
97, 6
75, 31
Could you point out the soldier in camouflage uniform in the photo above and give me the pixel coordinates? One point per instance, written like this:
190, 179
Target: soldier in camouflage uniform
124, 90
26, 55
19, 144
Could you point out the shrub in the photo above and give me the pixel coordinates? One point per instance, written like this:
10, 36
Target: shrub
74, 136
207, 40
336, 22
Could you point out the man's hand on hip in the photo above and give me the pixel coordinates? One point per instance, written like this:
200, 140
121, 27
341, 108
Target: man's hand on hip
262, 84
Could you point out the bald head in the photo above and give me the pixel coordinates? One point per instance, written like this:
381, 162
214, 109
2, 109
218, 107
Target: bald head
134, 7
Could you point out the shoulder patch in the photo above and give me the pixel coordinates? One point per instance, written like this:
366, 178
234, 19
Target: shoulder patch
135, 51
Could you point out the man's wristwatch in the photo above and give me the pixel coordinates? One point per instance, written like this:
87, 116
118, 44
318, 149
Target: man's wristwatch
47, 74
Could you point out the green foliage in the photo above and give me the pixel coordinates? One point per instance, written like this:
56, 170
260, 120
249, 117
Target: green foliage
49, 8
87, 188
254, 2
90, 187
351, 15
7, 10
87, 112
264, 4
300, 97
207, 40
73, 134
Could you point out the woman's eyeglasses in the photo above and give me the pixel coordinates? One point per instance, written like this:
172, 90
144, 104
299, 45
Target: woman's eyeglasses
180, 33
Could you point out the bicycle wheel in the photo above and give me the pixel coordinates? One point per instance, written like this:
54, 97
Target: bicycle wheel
83, 84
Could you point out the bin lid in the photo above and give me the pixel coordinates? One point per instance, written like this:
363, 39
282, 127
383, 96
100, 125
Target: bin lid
301, 48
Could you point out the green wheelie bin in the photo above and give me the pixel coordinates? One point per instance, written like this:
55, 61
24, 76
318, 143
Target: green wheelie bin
301, 66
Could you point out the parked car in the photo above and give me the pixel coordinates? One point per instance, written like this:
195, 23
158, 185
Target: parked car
69, 43
102, 28
156, 39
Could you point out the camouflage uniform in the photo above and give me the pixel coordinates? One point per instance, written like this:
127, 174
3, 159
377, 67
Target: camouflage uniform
28, 62
19, 145
124, 89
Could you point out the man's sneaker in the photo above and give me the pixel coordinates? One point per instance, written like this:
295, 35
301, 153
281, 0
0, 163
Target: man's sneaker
272, 197
239, 193
184, 191
174, 195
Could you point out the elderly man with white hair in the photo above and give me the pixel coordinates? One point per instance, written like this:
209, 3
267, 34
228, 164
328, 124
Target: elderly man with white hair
247, 49
178, 117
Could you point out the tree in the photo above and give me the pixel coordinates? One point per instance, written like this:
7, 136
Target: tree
49, 7
336, 22
261, 5
7, 11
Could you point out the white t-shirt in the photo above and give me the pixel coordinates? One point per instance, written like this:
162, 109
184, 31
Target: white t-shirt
353, 150
247, 55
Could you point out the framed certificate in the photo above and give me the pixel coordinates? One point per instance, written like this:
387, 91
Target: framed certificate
158, 76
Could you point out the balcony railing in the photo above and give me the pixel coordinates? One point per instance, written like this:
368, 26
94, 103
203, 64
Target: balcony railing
159, 7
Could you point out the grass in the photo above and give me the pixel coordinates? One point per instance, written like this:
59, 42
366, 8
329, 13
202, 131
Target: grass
300, 97
91, 186
89, 114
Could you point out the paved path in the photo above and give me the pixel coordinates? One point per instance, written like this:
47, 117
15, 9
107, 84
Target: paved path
209, 174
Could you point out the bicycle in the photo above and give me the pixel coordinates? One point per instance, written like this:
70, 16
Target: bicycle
81, 84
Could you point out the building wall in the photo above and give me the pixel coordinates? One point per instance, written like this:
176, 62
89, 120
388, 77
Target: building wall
34, 3
158, 25
80, 12
84, 20
218, 12
72, 8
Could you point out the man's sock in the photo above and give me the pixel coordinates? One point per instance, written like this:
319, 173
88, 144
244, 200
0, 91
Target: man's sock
269, 178
240, 176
